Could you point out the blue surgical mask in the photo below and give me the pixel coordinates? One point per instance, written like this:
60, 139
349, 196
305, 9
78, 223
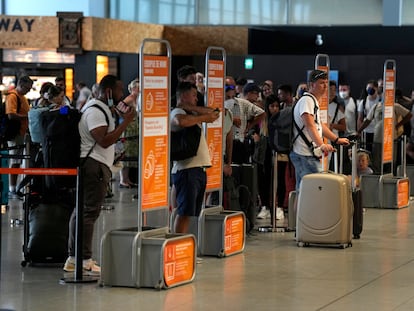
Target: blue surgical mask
110, 102
370, 91
301, 92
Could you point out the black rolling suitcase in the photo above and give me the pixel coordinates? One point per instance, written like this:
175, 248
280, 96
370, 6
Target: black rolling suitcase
358, 215
245, 176
46, 230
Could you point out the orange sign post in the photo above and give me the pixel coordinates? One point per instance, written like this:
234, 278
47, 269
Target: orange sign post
215, 98
154, 130
324, 100
220, 233
388, 114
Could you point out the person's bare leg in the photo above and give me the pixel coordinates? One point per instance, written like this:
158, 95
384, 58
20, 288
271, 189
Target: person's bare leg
181, 224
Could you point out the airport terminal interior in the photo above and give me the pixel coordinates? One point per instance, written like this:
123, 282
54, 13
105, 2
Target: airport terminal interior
282, 37
272, 273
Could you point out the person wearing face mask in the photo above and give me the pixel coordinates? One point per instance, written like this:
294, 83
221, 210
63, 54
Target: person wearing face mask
98, 135
369, 99
351, 109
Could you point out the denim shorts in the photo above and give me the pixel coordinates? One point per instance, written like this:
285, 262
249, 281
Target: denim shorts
304, 165
190, 185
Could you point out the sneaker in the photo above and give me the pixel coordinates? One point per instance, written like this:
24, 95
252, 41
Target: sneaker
199, 260
264, 213
88, 265
280, 214
91, 266
69, 264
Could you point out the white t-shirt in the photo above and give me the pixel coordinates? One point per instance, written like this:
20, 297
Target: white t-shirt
368, 106
84, 94
201, 159
331, 114
305, 105
92, 118
351, 115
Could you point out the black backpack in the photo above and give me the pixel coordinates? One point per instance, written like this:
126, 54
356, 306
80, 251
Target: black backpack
61, 143
281, 129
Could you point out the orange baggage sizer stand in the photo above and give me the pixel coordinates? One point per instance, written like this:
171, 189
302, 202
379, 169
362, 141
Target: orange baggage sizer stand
148, 256
392, 192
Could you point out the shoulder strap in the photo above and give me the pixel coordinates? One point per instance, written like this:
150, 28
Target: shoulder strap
300, 130
103, 111
107, 121
335, 114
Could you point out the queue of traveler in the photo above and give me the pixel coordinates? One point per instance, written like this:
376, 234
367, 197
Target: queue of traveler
250, 114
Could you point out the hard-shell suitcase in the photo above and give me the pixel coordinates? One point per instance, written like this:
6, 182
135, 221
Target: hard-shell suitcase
291, 226
325, 210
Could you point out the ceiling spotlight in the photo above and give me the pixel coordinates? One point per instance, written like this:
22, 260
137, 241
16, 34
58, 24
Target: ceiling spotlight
318, 40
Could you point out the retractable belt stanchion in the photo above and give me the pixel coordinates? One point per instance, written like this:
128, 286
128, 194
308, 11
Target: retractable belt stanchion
78, 276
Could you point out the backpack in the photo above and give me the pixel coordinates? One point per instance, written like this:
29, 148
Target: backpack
9, 128
281, 129
61, 143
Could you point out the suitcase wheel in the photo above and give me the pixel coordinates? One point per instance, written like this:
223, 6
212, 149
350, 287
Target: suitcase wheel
357, 237
23, 263
302, 244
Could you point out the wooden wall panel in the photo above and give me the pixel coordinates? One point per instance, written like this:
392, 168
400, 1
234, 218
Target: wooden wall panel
107, 35
29, 32
118, 36
191, 40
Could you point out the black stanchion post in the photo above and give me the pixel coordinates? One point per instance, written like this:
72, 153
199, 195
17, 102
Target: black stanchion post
79, 277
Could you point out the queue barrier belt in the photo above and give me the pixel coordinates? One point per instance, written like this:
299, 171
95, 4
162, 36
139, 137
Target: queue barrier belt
40, 171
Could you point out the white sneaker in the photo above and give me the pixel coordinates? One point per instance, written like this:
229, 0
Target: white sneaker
264, 213
91, 266
87, 264
280, 214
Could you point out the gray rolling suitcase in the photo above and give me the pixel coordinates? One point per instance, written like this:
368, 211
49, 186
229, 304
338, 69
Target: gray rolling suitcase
325, 210
291, 226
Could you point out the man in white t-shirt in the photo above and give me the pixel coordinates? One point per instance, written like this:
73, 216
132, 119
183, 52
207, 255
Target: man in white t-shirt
98, 136
306, 116
371, 99
351, 110
189, 175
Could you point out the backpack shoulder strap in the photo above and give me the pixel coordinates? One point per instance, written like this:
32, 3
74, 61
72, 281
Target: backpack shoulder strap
300, 130
103, 111
107, 121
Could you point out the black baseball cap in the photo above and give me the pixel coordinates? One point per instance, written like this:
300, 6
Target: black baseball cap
317, 74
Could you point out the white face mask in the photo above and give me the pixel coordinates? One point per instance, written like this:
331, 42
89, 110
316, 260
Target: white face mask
344, 94
110, 99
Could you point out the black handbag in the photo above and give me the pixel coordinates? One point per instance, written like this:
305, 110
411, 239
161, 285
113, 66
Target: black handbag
185, 142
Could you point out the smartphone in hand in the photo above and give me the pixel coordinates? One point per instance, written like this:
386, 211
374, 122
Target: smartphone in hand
122, 107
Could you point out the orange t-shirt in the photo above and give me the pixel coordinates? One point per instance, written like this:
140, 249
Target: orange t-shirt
11, 107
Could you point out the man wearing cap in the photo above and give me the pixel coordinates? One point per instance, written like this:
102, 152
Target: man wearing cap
245, 116
305, 154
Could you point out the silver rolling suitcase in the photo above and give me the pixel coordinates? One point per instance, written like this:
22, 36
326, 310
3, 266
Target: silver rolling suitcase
325, 210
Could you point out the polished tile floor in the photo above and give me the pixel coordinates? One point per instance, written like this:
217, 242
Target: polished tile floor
272, 273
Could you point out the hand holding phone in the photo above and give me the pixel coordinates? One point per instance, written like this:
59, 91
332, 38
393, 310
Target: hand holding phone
122, 107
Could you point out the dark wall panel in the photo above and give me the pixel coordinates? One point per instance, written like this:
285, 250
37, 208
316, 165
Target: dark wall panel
354, 69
